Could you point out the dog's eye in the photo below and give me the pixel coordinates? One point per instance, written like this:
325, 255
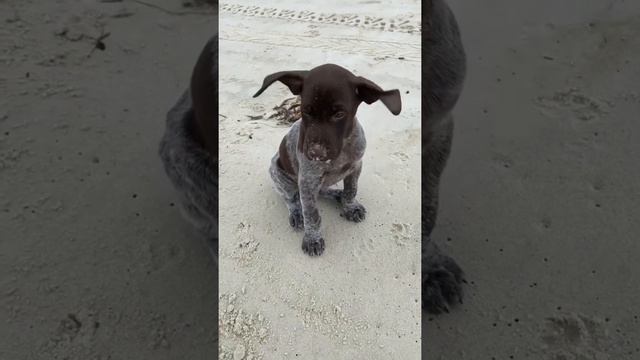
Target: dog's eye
339, 115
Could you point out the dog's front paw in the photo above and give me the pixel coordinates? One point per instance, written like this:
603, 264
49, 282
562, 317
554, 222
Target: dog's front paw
354, 212
312, 245
442, 281
296, 220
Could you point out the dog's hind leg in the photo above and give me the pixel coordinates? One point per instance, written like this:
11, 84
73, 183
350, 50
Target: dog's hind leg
288, 188
352, 210
331, 194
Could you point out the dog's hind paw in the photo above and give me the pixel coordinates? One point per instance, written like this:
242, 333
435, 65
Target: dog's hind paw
354, 212
442, 281
296, 220
313, 245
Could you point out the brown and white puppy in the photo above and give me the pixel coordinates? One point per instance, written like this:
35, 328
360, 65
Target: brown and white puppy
444, 67
189, 146
325, 146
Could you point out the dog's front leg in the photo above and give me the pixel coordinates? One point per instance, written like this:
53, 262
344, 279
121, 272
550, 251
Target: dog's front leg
352, 210
309, 182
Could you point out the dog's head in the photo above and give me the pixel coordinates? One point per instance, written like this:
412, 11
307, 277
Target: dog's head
330, 96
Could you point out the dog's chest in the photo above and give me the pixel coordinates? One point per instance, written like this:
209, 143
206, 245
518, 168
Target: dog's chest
332, 172
338, 172
348, 160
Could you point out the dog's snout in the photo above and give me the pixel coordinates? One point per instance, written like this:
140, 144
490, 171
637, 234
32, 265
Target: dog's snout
317, 151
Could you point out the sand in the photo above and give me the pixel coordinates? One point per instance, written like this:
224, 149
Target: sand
95, 261
540, 198
360, 299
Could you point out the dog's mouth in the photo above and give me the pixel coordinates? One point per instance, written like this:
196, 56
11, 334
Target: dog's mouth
318, 152
318, 159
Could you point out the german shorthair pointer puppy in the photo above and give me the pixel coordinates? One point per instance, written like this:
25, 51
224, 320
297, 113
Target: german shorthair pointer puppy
189, 147
325, 146
443, 72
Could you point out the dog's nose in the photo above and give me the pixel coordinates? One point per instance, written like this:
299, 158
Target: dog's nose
317, 152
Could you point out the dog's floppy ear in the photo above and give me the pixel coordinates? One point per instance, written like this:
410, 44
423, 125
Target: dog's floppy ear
293, 80
369, 92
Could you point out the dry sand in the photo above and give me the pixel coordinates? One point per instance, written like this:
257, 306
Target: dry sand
541, 196
361, 298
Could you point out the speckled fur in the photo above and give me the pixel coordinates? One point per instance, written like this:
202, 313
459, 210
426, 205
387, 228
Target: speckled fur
442, 77
314, 179
325, 146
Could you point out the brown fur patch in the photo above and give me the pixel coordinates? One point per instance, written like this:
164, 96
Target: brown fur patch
283, 159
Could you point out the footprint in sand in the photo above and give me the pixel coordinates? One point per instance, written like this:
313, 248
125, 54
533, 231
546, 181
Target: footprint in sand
246, 244
365, 247
74, 333
163, 255
243, 136
400, 157
500, 161
405, 24
11, 157
402, 233
243, 333
577, 337
583, 107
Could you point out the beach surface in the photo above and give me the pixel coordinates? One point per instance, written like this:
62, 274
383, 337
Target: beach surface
361, 298
95, 260
539, 202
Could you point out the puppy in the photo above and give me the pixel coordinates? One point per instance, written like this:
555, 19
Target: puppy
189, 147
325, 146
442, 78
